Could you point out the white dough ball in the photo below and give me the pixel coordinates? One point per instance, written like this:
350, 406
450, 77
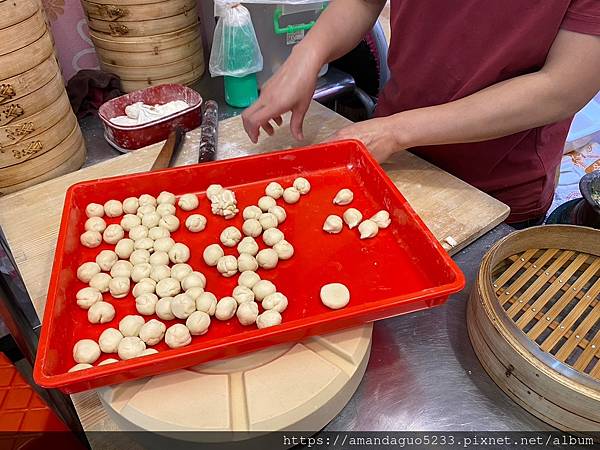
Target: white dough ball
268, 220
248, 245
207, 302
119, 287
169, 287
368, 229
302, 185
248, 279
130, 325
268, 318
152, 332
226, 308
130, 205
95, 224
101, 281
213, 190
247, 313
101, 312
113, 234
145, 209
227, 266
166, 209
151, 219
163, 244
276, 301
138, 232
87, 296
130, 347
159, 259
144, 286
130, 221
156, 233
272, 236
144, 244
247, 262
109, 340
90, 239
139, 256
267, 258
94, 210
252, 212
121, 269
291, 195
262, 289
382, 219
163, 309
140, 271
81, 366
335, 295
169, 222
266, 202
212, 254
86, 351
274, 190
252, 227
113, 208
195, 292
333, 224
177, 336
87, 270
352, 217
145, 304
343, 197
124, 248
230, 236
179, 253
166, 197
194, 279
106, 259
108, 361
279, 213
188, 202
284, 250
180, 271
160, 272
195, 223
147, 199
242, 294
198, 323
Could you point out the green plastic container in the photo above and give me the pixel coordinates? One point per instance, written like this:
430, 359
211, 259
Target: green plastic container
241, 92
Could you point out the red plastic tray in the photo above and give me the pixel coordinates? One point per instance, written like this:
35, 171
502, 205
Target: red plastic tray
403, 269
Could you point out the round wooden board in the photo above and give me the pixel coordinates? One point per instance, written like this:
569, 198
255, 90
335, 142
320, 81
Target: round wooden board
296, 386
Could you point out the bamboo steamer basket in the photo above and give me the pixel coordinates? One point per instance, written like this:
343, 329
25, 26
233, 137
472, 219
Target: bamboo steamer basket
16, 87
144, 27
153, 43
534, 322
186, 79
13, 12
118, 12
15, 63
161, 71
23, 33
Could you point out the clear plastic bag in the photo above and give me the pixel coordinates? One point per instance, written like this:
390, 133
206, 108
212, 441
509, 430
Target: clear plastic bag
235, 50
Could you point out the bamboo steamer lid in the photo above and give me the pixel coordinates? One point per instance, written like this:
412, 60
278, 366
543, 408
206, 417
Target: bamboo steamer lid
15, 63
16, 87
146, 27
152, 43
186, 78
13, 12
136, 12
23, 33
534, 322
180, 67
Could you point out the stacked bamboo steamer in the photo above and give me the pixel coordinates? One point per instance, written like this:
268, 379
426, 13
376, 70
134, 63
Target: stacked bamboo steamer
147, 42
39, 135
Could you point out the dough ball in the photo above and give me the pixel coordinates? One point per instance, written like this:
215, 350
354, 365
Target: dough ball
145, 286
368, 229
145, 304
145, 209
188, 202
163, 244
268, 318
242, 294
195, 223
194, 279
267, 258
343, 197
108, 361
101, 312
179, 253
195, 292
119, 286
177, 336
94, 210
130, 325
247, 313
226, 308
139, 256
78, 367
130, 205
251, 212
109, 340
180, 271
247, 262
166, 209
266, 202
147, 199
151, 219
113, 208
248, 245
212, 254
163, 309
273, 190
213, 190
198, 323
86, 351
333, 224
87, 296
160, 272
140, 271
262, 289
106, 259
90, 239
291, 195
279, 213
382, 219
101, 281
166, 198
207, 302
159, 259
352, 217
302, 185
138, 232
124, 248
155, 233
113, 234
268, 220
230, 236
152, 332
169, 222
252, 227
169, 287
95, 224
284, 250
130, 347
130, 221
276, 301
144, 244
272, 236
227, 266
87, 270
121, 269
248, 279
335, 295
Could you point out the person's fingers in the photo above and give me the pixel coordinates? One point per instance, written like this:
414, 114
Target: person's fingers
297, 120
251, 126
268, 128
278, 120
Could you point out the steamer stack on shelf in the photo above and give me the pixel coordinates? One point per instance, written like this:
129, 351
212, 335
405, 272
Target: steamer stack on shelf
147, 42
39, 135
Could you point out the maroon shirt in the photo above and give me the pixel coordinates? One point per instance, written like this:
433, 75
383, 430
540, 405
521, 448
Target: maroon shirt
443, 50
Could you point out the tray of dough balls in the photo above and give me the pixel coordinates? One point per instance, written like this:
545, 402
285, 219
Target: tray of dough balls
165, 270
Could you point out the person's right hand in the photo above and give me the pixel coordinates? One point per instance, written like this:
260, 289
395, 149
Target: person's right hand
290, 89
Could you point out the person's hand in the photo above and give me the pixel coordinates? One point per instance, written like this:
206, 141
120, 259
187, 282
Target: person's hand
290, 89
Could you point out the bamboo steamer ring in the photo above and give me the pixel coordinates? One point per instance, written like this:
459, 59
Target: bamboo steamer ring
23, 33
180, 67
154, 43
12, 12
136, 12
186, 78
13, 88
144, 27
562, 264
24, 59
